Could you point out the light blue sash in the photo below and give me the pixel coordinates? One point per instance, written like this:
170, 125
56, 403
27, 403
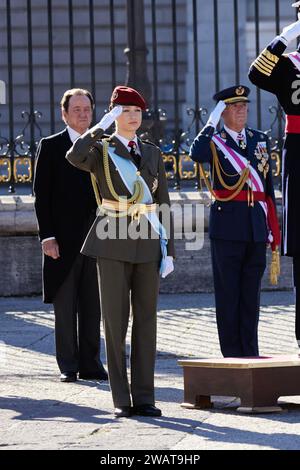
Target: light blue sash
127, 171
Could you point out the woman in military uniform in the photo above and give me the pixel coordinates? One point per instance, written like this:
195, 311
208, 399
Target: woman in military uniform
129, 180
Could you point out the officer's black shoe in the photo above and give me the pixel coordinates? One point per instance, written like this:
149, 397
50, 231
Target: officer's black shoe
146, 410
68, 377
102, 375
123, 411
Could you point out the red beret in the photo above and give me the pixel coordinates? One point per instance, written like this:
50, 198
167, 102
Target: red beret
127, 96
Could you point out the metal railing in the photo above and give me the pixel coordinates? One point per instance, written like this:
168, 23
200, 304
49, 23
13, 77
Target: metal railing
172, 128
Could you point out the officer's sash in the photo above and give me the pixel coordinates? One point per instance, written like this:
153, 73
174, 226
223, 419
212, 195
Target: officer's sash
240, 163
128, 173
295, 58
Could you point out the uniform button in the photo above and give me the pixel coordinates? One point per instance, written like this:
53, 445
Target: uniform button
219, 208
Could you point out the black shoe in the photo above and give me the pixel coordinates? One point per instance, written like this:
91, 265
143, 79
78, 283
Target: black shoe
146, 410
123, 411
68, 377
102, 375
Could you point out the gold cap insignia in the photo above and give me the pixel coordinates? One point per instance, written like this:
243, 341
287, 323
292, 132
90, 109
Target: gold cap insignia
240, 91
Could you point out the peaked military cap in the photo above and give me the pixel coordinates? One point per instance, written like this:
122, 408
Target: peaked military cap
234, 94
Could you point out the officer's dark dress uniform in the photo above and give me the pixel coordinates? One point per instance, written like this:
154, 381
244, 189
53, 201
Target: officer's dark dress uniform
273, 71
238, 234
126, 265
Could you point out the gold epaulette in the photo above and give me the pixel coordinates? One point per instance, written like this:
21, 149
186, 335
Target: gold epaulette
266, 62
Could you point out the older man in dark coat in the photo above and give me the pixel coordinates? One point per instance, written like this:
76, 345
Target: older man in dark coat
65, 208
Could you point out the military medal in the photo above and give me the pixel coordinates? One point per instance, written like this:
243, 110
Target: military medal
260, 167
266, 169
258, 155
261, 154
241, 142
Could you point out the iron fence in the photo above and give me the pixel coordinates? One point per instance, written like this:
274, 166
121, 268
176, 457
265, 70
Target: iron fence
152, 64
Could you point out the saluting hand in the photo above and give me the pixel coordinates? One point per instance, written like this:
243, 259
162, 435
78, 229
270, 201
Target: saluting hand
51, 248
215, 115
291, 31
110, 117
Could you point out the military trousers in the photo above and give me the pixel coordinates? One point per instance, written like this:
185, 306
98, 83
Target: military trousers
238, 268
129, 288
77, 319
296, 275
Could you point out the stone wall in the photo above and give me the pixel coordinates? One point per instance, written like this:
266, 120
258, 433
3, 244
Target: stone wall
20, 252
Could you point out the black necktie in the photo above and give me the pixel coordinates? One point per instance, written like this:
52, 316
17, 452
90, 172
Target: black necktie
136, 157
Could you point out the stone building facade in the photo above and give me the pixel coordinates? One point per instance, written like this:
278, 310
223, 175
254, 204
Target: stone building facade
165, 52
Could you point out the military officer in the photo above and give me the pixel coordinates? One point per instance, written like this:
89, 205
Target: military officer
279, 74
129, 177
240, 221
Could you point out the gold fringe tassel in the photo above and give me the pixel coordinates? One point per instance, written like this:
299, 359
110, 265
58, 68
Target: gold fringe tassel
275, 267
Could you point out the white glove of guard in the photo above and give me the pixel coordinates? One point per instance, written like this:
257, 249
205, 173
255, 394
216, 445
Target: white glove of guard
110, 117
169, 267
291, 31
215, 115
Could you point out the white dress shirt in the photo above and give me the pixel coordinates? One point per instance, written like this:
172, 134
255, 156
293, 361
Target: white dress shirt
73, 134
234, 134
125, 142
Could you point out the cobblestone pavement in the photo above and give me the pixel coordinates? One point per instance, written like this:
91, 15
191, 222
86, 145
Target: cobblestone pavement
39, 412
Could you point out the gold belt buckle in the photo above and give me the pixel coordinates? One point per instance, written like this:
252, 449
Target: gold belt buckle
136, 210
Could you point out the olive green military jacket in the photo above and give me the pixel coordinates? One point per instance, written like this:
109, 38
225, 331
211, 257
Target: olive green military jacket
87, 154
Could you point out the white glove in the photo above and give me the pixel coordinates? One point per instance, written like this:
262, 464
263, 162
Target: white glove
291, 31
215, 115
110, 117
169, 267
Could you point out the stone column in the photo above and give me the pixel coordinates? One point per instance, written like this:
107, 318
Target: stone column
137, 51
206, 45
